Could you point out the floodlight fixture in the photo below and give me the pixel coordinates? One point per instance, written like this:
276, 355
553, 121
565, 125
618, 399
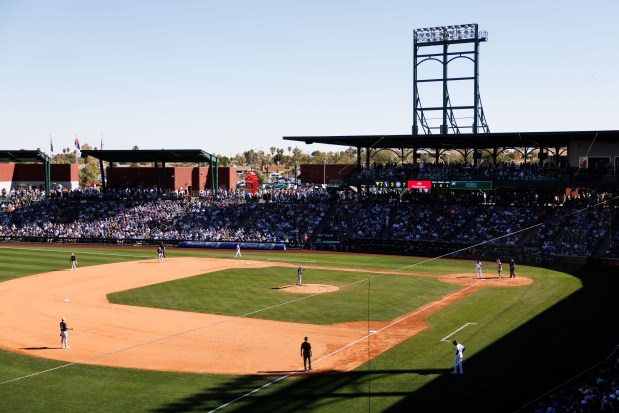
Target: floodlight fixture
460, 32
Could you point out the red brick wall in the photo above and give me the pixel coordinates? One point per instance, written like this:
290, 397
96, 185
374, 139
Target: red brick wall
319, 173
175, 177
13, 175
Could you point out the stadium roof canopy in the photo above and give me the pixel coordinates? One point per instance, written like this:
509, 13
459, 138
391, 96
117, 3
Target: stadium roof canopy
156, 156
151, 155
462, 141
23, 155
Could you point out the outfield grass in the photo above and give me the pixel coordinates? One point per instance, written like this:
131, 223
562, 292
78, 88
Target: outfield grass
412, 372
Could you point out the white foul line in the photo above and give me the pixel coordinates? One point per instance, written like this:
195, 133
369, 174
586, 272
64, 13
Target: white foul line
467, 324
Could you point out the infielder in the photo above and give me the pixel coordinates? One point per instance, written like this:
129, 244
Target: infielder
63, 333
73, 262
499, 267
238, 251
300, 275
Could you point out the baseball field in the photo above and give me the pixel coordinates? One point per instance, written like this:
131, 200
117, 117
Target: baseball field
204, 331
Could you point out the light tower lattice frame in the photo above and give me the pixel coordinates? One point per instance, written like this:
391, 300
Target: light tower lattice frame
467, 38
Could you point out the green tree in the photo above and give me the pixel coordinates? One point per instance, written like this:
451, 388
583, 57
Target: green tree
89, 174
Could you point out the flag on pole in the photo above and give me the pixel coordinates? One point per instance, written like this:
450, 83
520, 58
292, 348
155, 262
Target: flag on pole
77, 143
51, 144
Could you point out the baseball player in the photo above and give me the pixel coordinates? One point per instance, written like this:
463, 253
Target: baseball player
499, 267
300, 275
512, 268
159, 254
73, 262
459, 358
63, 333
238, 251
478, 269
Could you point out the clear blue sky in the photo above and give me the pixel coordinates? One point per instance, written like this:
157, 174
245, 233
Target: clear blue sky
228, 76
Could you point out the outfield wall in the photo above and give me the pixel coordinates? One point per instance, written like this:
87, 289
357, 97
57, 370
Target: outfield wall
232, 245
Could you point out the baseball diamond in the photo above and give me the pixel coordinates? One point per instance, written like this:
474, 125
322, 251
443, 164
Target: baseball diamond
156, 339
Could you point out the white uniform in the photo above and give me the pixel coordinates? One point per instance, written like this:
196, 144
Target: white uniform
458, 359
238, 250
478, 269
499, 267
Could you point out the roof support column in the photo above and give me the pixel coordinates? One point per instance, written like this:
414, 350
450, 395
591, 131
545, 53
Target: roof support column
47, 173
102, 169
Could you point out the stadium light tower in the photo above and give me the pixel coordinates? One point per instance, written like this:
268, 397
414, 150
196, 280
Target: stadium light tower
464, 41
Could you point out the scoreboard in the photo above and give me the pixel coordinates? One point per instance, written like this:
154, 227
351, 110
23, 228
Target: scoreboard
426, 185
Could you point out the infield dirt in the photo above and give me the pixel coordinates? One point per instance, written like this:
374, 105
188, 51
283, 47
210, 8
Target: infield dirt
156, 339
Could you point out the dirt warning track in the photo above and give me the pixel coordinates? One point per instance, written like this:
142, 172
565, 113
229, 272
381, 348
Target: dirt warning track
157, 339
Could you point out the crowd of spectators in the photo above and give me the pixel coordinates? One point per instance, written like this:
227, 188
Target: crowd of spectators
574, 225
431, 223
501, 171
499, 225
596, 391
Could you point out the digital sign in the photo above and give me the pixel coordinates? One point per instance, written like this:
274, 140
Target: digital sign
390, 184
419, 185
463, 185
427, 185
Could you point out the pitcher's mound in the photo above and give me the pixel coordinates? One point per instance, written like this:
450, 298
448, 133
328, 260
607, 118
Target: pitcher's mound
308, 288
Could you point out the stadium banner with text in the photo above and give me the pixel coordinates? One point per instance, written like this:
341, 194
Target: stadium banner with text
232, 245
419, 185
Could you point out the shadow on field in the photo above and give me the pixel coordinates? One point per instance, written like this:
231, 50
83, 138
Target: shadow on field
546, 352
570, 337
302, 392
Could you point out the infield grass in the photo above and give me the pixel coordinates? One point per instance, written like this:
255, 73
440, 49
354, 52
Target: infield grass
414, 371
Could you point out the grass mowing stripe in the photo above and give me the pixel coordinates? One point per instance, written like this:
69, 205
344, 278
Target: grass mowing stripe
86, 251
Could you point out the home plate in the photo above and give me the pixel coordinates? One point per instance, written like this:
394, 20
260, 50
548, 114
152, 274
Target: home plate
66, 300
